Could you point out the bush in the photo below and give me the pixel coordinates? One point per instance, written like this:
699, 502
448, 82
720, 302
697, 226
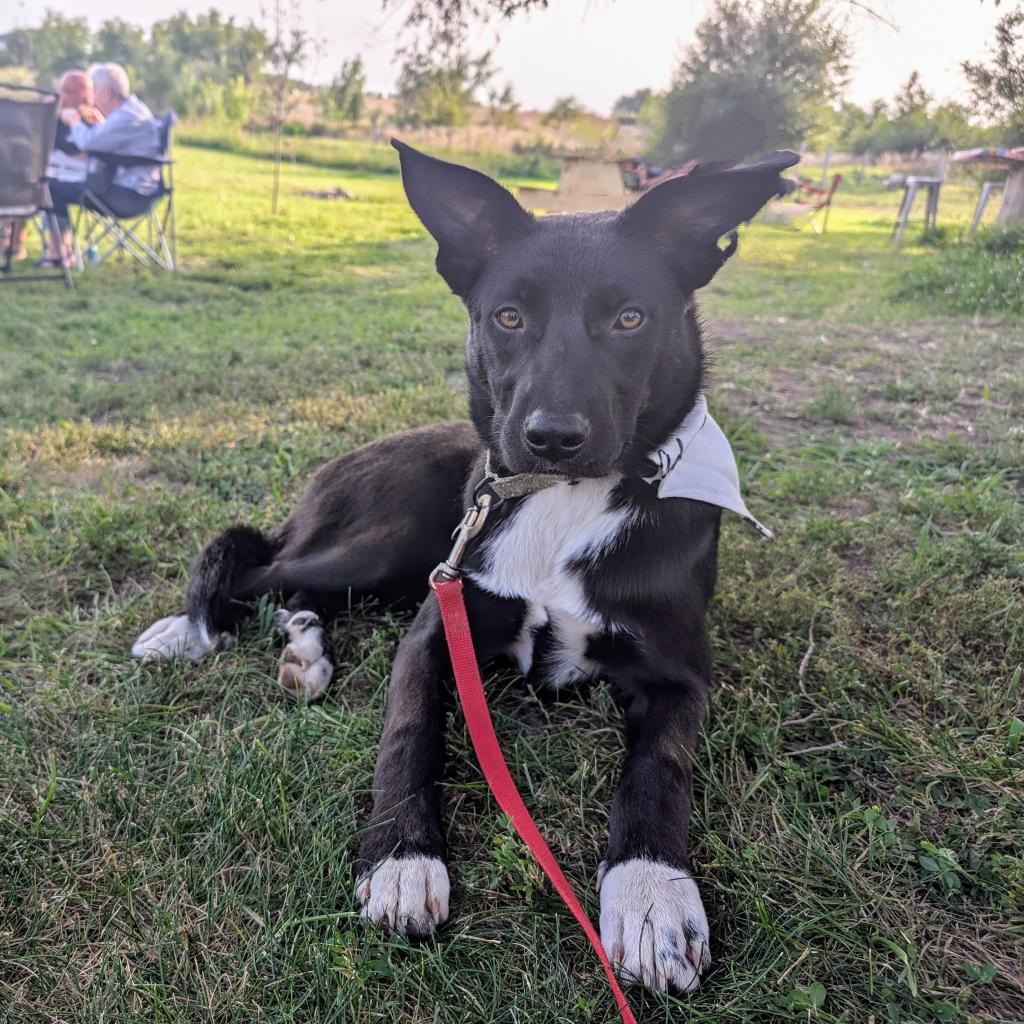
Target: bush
985, 276
533, 161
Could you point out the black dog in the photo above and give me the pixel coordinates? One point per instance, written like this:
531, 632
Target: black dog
586, 372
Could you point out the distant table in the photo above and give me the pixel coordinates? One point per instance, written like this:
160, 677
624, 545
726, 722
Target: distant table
589, 182
911, 187
1012, 208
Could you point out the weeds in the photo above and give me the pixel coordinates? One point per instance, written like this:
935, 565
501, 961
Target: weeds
980, 278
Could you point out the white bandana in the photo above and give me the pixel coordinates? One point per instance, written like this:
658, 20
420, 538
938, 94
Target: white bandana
697, 463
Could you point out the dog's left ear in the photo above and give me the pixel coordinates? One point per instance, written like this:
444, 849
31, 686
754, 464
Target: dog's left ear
469, 214
685, 217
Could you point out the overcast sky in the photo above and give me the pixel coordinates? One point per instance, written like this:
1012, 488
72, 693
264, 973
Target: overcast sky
596, 50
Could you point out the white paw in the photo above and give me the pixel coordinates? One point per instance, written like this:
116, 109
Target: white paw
406, 895
305, 670
176, 636
653, 926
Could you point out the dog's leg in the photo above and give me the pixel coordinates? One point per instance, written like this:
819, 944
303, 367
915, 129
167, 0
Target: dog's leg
213, 609
404, 879
653, 924
307, 661
177, 636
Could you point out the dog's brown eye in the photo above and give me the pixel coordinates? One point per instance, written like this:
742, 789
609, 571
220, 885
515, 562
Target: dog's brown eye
509, 318
629, 320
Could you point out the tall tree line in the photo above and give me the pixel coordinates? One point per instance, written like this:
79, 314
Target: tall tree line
207, 64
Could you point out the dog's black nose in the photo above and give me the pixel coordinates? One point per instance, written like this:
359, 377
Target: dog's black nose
556, 437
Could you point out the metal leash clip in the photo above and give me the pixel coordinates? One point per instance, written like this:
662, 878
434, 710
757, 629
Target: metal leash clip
472, 523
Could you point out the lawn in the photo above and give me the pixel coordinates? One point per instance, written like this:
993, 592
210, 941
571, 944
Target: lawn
178, 840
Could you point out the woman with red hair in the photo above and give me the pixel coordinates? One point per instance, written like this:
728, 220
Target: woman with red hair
68, 165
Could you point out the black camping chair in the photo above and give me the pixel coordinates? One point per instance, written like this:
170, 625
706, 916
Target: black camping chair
28, 126
145, 230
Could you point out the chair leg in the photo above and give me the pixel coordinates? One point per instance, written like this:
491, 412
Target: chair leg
932, 211
127, 240
979, 209
988, 189
143, 238
167, 262
9, 255
172, 229
76, 249
909, 191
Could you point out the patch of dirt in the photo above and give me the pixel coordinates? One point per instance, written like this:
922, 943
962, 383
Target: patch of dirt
455, 380
327, 193
121, 373
852, 507
100, 475
892, 381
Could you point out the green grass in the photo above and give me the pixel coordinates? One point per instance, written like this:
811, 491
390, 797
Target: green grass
984, 276
177, 840
354, 154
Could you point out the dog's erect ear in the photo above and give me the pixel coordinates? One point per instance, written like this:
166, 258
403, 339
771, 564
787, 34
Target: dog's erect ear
469, 214
685, 217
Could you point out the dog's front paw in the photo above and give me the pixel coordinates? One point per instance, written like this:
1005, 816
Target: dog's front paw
175, 636
653, 926
406, 895
306, 668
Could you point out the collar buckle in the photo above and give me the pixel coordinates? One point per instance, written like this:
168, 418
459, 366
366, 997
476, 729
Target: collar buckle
472, 523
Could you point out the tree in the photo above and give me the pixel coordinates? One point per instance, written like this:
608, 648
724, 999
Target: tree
910, 129
953, 126
563, 113
912, 98
288, 46
345, 93
759, 75
440, 89
909, 125
217, 46
504, 108
858, 128
57, 45
118, 41
998, 85
203, 65
629, 107
444, 24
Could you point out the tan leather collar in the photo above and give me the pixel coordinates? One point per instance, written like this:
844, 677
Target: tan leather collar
521, 484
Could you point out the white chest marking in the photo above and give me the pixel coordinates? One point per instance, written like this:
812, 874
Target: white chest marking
530, 556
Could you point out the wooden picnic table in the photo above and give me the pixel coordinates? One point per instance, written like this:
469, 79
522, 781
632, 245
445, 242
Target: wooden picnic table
588, 183
1012, 209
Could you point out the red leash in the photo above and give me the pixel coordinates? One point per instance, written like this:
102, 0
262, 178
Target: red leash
488, 753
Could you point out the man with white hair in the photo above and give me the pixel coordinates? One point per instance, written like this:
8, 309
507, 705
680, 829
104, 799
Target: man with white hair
128, 128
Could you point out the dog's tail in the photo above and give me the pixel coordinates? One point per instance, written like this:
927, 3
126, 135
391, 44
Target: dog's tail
215, 601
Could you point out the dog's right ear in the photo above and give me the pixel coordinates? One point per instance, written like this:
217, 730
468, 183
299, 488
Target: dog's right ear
469, 214
685, 217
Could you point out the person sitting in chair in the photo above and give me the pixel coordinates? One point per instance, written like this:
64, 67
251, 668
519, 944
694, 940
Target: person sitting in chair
16, 153
128, 128
68, 164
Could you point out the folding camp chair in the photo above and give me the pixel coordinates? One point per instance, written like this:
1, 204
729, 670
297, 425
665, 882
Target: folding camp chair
147, 234
28, 125
812, 211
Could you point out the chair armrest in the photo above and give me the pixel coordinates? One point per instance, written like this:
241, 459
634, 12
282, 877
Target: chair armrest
126, 160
